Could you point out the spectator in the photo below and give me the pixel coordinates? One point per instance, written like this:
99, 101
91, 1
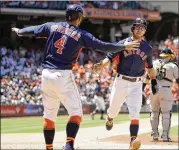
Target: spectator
21, 74
61, 5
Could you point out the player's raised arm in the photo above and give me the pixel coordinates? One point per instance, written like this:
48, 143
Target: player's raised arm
92, 42
38, 31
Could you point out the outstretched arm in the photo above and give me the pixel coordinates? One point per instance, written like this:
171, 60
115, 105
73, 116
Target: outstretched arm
38, 31
92, 42
28, 31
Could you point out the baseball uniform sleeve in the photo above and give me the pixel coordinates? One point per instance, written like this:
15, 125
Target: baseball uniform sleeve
149, 62
90, 41
110, 56
175, 73
28, 31
149, 59
43, 30
38, 31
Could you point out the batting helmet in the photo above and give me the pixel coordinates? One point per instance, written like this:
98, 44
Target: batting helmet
73, 12
166, 52
139, 21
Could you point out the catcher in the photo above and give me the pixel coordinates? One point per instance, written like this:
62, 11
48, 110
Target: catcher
167, 71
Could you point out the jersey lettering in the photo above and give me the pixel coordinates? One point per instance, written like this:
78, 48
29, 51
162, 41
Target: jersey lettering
137, 52
161, 73
60, 44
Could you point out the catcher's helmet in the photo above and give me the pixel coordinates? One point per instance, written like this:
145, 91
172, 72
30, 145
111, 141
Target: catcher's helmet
139, 21
166, 52
73, 12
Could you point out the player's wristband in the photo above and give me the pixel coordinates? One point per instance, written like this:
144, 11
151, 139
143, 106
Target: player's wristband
154, 86
154, 82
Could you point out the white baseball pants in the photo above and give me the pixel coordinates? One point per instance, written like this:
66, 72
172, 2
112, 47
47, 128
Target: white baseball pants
59, 86
125, 91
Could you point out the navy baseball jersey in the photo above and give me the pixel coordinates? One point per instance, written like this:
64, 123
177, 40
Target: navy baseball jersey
132, 63
65, 42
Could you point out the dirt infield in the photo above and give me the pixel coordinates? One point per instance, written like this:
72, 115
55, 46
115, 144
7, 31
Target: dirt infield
146, 140
90, 138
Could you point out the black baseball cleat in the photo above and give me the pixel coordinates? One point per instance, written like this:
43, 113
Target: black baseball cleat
68, 147
109, 123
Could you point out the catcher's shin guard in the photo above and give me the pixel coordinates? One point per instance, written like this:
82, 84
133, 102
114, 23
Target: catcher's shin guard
166, 123
154, 120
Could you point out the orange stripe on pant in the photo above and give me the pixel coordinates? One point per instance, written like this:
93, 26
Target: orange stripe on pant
75, 119
69, 139
49, 146
48, 124
134, 121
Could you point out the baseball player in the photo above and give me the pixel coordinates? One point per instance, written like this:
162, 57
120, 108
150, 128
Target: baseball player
127, 86
99, 101
63, 46
166, 72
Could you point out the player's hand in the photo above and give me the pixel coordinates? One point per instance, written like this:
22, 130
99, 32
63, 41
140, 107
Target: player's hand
97, 67
133, 45
15, 30
154, 86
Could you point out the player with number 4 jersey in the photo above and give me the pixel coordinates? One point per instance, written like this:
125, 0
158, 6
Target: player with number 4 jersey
65, 41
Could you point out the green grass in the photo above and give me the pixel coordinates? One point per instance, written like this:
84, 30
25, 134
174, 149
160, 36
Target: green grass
174, 131
35, 124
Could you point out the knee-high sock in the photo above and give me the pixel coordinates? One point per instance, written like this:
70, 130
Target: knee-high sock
49, 133
72, 129
134, 128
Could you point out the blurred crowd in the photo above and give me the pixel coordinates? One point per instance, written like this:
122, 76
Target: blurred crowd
21, 74
62, 5
170, 42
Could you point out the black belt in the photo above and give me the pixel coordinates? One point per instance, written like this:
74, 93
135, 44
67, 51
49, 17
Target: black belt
166, 86
129, 79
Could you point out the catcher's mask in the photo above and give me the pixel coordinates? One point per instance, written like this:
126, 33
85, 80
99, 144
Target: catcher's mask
167, 53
